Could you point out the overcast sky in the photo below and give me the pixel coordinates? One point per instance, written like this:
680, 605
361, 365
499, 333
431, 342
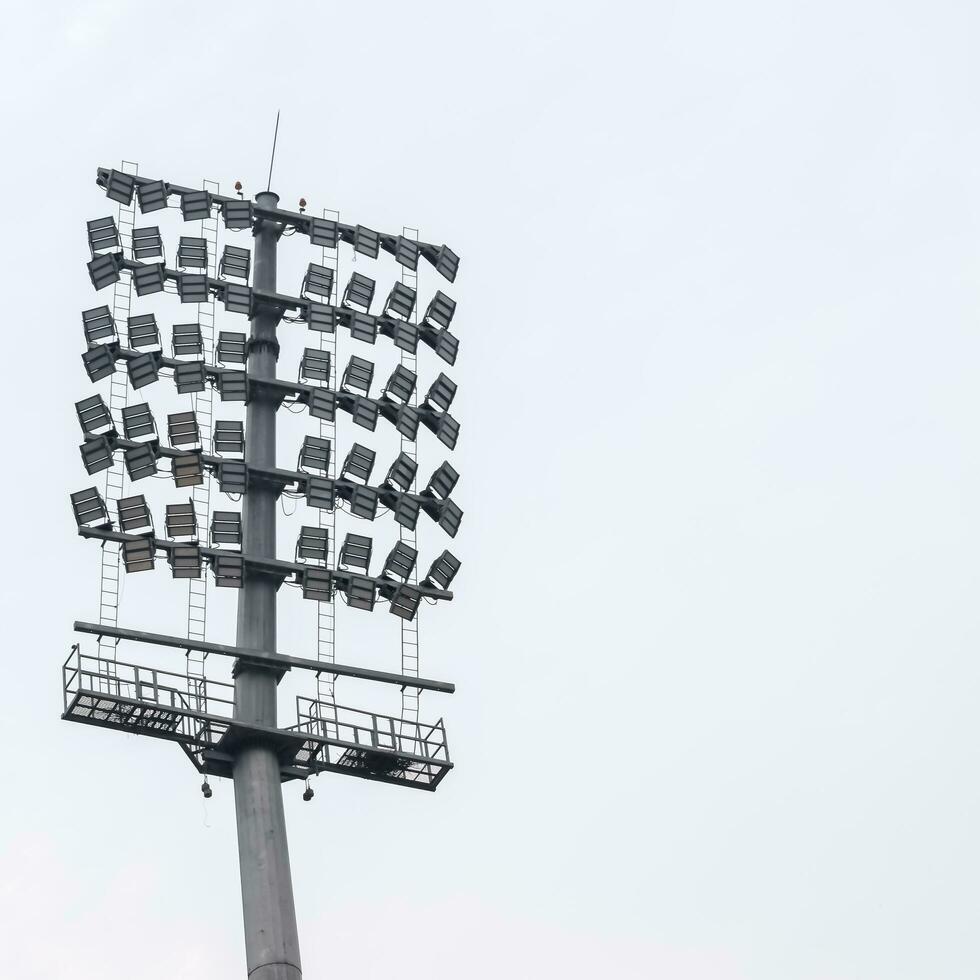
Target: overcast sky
715, 635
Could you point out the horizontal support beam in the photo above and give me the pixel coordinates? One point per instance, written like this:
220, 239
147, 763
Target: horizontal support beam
277, 659
303, 223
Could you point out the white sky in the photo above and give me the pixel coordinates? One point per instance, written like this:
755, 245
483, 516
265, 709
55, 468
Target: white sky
715, 631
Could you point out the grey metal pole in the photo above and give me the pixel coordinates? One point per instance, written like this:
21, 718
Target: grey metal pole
271, 939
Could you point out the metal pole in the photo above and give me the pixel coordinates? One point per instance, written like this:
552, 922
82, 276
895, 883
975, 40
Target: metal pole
271, 940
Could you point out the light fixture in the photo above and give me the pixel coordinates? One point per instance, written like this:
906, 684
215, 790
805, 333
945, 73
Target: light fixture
190, 376
400, 302
102, 234
226, 527
318, 280
447, 346
94, 416
229, 570
315, 365
119, 187
138, 421
195, 205
181, 520
231, 347
364, 503
361, 592
192, 253
405, 602
192, 287
90, 509
443, 571
96, 455
320, 492
442, 392
447, 430
324, 232
400, 562
407, 252
103, 270
232, 477
187, 339
366, 241
147, 243
134, 514
440, 310
450, 518
442, 482
313, 542
407, 422
185, 561
149, 279
237, 298
152, 196
405, 336
317, 585
365, 413
141, 461
401, 385
232, 386
143, 331
187, 470
235, 262
406, 511
356, 552
99, 362
402, 472
363, 327
359, 292
98, 324
322, 404
237, 214
447, 263
314, 454
139, 555
359, 463
358, 375
229, 438
143, 369
182, 429
321, 317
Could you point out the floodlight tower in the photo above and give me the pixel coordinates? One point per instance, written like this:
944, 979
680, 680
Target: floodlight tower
233, 730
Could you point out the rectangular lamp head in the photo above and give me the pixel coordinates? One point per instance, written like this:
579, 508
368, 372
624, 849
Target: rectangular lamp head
233, 386
231, 347
182, 429
401, 385
361, 592
99, 361
181, 520
447, 346
232, 477
447, 263
356, 552
149, 279
238, 298
406, 337
237, 214
318, 281
139, 555
185, 561
440, 310
96, 455
192, 253
318, 584
103, 270
190, 377
138, 421
407, 253
119, 187
314, 454
195, 206
229, 438
315, 365
147, 243
143, 369
152, 196
143, 331
235, 262
229, 571
187, 470
322, 404
226, 527
187, 340
442, 482
405, 602
321, 317
443, 571
400, 302
102, 235
441, 393
364, 503
447, 431
192, 287
141, 461
359, 292
90, 509
313, 543
320, 493
406, 511
365, 413
134, 514
324, 232
450, 518
366, 241
94, 416
400, 562
358, 375
98, 324
359, 463
408, 422
402, 472
363, 327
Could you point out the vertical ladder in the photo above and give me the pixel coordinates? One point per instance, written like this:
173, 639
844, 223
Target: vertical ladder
326, 612
203, 405
410, 628
110, 581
